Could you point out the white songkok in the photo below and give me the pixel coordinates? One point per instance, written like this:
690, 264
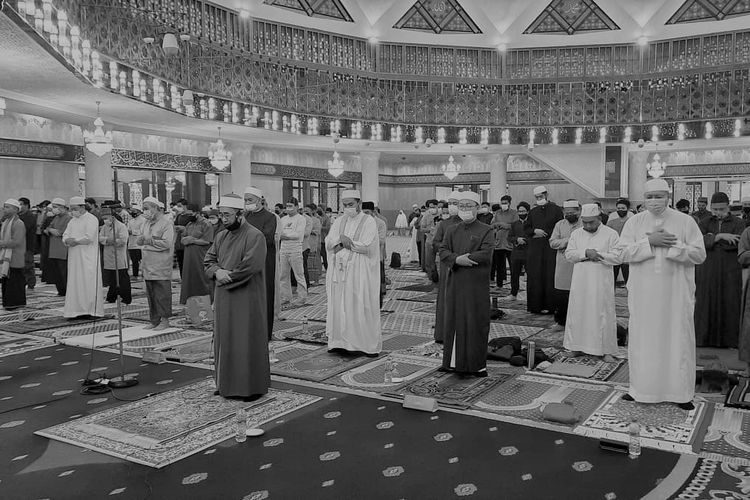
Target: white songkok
571, 204
590, 210
469, 195
351, 194
455, 195
77, 200
13, 202
655, 185
59, 201
153, 201
232, 201
539, 190
137, 207
254, 191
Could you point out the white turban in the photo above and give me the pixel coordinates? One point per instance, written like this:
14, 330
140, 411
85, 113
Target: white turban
59, 201
656, 185
590, 210
351, 193
77, 200
571, 204
539, 190
13, 202
455, 195
153, 201
254, 191
232, 201
469, 195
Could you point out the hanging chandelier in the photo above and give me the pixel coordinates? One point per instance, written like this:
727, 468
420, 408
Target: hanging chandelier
451, 169
98, 142
220, 157
335, 165
656, 167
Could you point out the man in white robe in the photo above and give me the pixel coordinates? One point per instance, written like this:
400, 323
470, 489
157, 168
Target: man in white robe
563, 268
662, 246
592, 325
83, 296
353, 281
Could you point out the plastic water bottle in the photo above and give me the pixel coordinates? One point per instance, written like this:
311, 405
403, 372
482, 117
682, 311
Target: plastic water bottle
305, 326
388, 371
395, 375
634, 447
241, 419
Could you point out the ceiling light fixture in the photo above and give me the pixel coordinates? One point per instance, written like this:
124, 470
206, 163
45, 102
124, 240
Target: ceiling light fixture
335, 164
451, 169
642, 41
656, 167
169, 44
220, 157
244, 14
502, 47
98, 142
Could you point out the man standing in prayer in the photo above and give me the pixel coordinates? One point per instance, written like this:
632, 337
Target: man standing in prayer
743, 257
313, 256
182, 215
540, 263
617, 222
662, 246
157, 248
83, 296
236, 263
113, 237
135, 227
265, 222
12, 252
29, 221
517, 240
467, 252
196, 238
292, 236
702, 212
352, 284
442, 229
325, 226
57, 259
426, 223
683, 206
591, 327
368, 207
718, 281
501, 223
563, 267
484, 215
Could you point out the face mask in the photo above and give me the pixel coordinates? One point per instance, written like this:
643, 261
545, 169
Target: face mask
192, 218
483, 210
291, 212
720, 215
466, 215
148, 214
504, 207
234, 225
213, 220
541, 202
251, 207
622, 213
571, 218
433, 211
75, 213
350, 211
746, 210
446, 216
452, 209
656, 205
523, 217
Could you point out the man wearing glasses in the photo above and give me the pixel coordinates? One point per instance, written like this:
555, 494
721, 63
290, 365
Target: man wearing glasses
353, 281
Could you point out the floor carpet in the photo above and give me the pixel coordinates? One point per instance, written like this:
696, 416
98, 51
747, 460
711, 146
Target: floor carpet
450, 389
728, 436
516, 317
33, 324
371, 377
598, 369
318, 365
712, 479
12, 343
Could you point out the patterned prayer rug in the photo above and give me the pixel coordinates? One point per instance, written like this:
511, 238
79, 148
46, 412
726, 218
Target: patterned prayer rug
739, 395
184, 322
621, 376
195, 351
505, 330
402, 341
451, 389
283, 352
168, 427
599, 369
318, 365
663, 425
717, 480
408, 323
423, 308
11, 343
16, 316
429, 349
138, 313
426, 287
46, 323
515, 317
525, 397
507, 303
112, 337
167, 340
87, 329
548, 338
401, 294
371, 377
424, 297
728, 435
312, 313
404, 306
316, 334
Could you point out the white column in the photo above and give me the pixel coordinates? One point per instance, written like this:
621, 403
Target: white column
99, 176
498, 164
370, 162
240, 178
637, 176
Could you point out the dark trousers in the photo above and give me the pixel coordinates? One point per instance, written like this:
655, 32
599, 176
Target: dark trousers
561, 307
419, 249
625, 268
159, 293
499, 269
57, 272
28, 270
180, 254
382, 282
305, 255
123, 290
135, 258
516, 266
14, 289
324, 254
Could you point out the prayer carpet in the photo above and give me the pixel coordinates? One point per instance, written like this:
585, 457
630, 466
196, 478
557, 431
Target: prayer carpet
714, 479
506, 330
283, 352
428, 349
312, 313
166, 340
316, 334
191, 352
450, 389
424, 297
46, 323
76, 330
516, 305
739, 395
184, 322
515, 317
139, 313
728, 436
401, 341
112, 337
426, 287
598, 368
424, 308
401, 294
525, 397
663, 425
403, 306
11, 343
318, 365
168, 427
371, 377
408, 323
16, 316
549, 338
621, 376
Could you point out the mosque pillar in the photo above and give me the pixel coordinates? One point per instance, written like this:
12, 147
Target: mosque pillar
498, 164
99, 176
370, 162
637, 175
240, 178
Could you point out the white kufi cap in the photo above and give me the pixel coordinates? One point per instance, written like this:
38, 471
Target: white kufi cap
351, 193
59, 201
655, 185
455, 195
590, 210
254, 191
77, 200
469, 195
232, 201
153, 201
539, 190
571, 204
13, 202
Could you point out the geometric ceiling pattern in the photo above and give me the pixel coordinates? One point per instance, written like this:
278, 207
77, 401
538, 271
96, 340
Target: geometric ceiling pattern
332, 9
571, 17
709, 10
437, 16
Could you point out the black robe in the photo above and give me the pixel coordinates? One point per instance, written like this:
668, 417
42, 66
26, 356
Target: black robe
467, 296
440, 233
718, 286
540, 258
265, 222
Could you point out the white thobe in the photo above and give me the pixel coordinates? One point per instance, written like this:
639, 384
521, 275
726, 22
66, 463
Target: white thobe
84, 292
591, 326
353, 286
558, 240
661, 299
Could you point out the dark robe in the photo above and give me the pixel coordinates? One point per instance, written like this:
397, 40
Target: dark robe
240, 339
265, 222
743, 257
44, 251
194, 280
440, 232
467, 296
699, 215
540, 258
718, 286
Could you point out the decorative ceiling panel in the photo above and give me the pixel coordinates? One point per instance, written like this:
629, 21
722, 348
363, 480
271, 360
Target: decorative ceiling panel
438, 16
571, 17
709, 10
332, 9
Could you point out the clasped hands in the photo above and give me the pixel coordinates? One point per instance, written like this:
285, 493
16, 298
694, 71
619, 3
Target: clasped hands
187, 240
593, 255
346, 242
730, 238
71, 242
465, 261
661, 238
540, 233
222, 277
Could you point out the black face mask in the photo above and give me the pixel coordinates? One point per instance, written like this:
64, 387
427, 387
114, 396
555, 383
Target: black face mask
523, 217
192, 218
571, 218
746, 210
234, 225
622, 213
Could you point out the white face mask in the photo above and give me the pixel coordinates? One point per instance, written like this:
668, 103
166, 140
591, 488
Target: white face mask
656, 205
503, 206
433, 211
75, 213
350, 211
452, 209
541, 202
251, 207
466, 215
213, 221
483, 210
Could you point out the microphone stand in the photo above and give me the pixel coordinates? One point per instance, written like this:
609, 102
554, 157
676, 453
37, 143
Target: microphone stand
119, 382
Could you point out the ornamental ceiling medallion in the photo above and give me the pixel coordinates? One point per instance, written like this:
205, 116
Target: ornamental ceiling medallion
332, 9
571, 17
709, 10
438, 16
